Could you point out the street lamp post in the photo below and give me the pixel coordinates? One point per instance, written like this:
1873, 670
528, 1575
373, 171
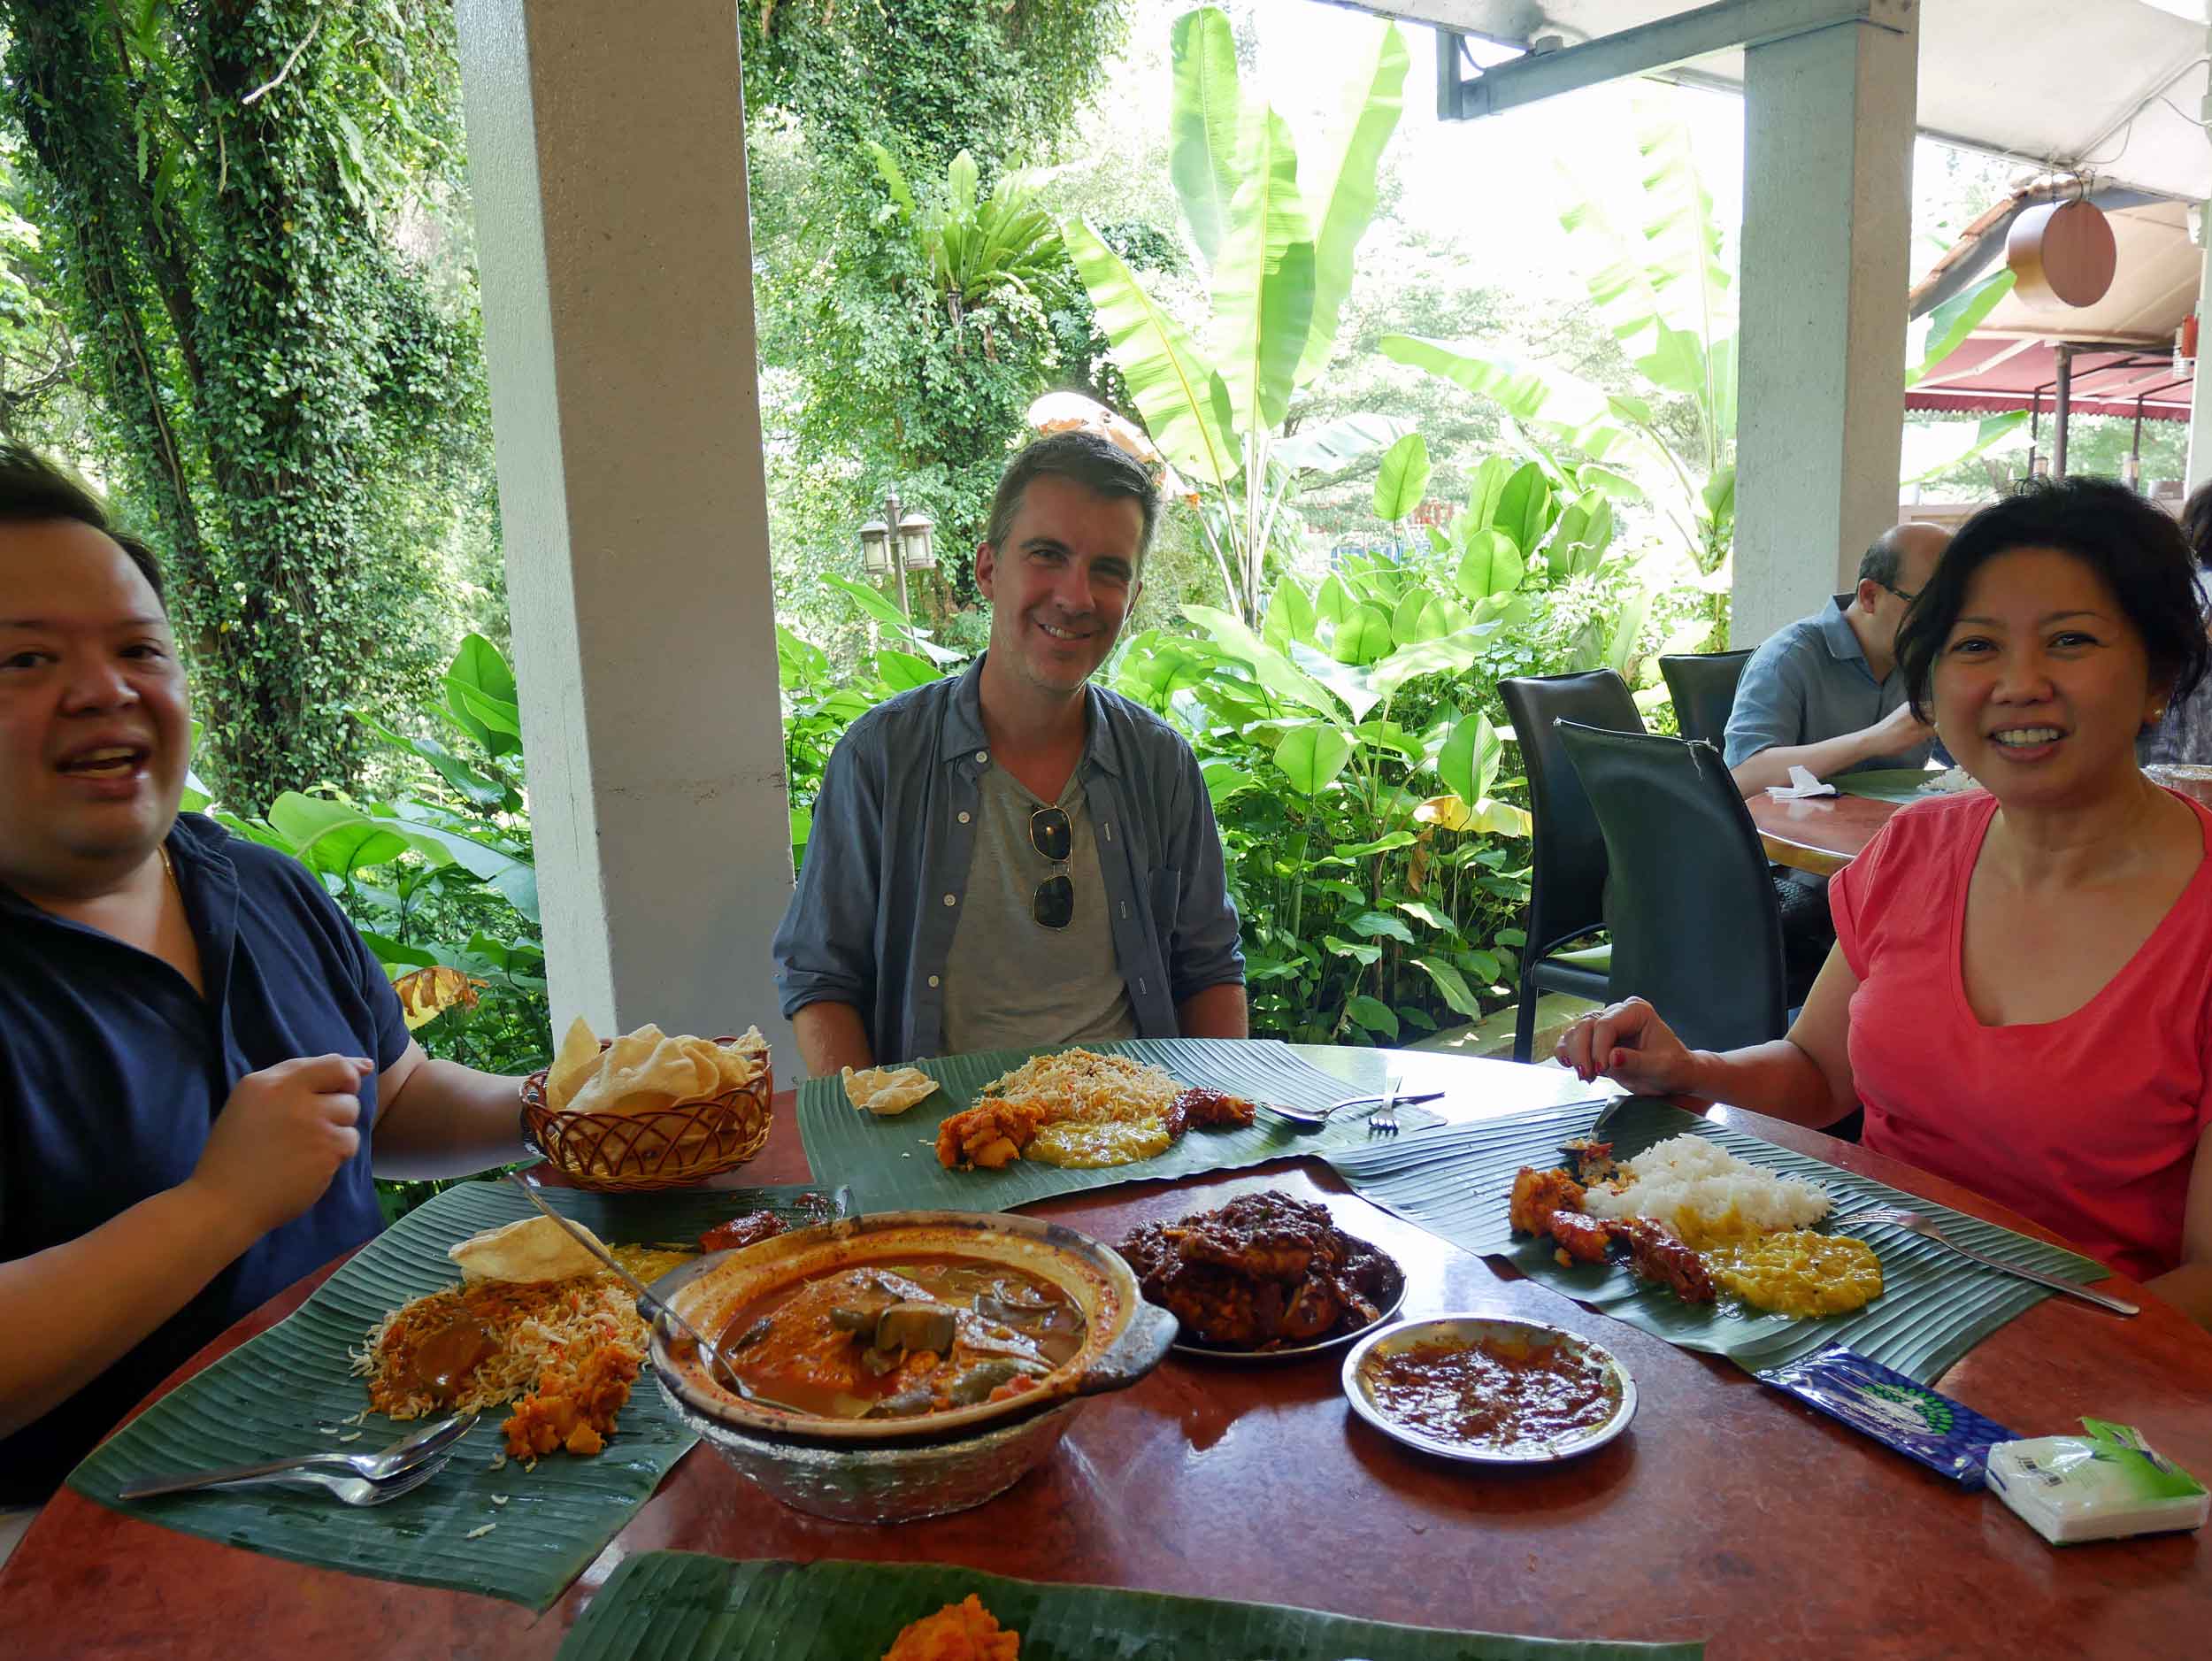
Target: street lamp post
894, 544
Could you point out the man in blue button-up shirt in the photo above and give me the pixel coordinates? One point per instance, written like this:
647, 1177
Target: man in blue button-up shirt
1017, 856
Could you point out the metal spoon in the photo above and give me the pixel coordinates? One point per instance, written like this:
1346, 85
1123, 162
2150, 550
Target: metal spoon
653, 1308
430, 1446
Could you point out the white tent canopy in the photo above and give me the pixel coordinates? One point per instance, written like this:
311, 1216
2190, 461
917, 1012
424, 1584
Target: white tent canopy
2113, 85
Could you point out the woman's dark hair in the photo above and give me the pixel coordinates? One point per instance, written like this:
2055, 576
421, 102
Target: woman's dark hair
2196, 523
1089, 459
2138, 551
33, 489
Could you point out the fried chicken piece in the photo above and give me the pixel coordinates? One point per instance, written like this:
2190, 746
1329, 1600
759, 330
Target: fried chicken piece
1657, 1255
1198, 1107
991, 1134
1581, 1239
1537, 1195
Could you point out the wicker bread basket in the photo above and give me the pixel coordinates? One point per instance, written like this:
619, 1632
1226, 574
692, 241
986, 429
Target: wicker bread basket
663, 1147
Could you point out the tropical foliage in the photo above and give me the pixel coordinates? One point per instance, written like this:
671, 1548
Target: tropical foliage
1651, 256
1218, 404
288, 404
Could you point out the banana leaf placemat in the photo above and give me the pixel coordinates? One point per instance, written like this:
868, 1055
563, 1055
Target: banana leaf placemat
292, 1390
1887, 784
1935, 1306
680, 1606
890, 1163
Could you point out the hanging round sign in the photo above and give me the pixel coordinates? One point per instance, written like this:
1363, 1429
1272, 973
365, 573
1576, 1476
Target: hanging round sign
2061, 253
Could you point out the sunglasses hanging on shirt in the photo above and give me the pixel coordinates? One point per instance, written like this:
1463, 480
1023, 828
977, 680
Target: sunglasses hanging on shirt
1052, 904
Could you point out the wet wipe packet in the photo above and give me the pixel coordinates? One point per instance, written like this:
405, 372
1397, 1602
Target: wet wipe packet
1947, 1436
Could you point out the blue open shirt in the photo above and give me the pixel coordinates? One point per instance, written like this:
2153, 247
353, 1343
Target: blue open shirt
887, 865
112, 1070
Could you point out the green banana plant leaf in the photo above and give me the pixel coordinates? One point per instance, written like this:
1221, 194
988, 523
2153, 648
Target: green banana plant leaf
1403, 477
1333, 446
1205, 126
1183, 399
1933, 446
1524, 511
1264, 280
1276, 671
1312, 754
1470, 757
1950, 323
1374, 101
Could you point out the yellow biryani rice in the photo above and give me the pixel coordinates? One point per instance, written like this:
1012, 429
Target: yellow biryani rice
1103, 1110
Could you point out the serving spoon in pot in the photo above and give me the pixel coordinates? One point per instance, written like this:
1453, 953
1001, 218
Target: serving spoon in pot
654, 1308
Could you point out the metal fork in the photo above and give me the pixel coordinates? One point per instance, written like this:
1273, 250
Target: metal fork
1914, 1223
351, 1490
427, 1443
1384, 1120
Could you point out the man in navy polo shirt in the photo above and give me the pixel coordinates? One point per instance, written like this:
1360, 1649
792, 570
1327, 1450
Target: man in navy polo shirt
196, 1050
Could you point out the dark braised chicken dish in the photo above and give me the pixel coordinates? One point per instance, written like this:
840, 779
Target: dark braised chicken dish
1264, 1270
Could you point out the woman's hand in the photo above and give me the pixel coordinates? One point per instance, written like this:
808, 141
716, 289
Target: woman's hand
1628, 1043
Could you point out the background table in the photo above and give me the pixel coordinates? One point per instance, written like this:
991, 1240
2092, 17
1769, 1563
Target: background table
1824, 833
1728, 1511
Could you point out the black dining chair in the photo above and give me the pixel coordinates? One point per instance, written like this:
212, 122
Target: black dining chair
1567, 886
1702, 685
1691, 911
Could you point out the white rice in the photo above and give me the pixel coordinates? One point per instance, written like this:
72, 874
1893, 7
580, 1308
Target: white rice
1705, 1193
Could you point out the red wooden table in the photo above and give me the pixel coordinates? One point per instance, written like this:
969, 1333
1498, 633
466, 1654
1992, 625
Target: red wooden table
1728, 1511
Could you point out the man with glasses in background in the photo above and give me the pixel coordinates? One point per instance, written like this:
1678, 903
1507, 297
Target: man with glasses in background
1824, 694
1016, 858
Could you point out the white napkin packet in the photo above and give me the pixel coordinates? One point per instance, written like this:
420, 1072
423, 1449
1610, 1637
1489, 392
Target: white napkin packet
1802, 784
2098, 1487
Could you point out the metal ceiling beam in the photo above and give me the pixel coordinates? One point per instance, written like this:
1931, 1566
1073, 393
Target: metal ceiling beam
1634, 51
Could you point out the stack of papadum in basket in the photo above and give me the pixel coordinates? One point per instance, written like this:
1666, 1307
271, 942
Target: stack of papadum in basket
648, 1076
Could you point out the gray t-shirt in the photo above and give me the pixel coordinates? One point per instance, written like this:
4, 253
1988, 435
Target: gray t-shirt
1011, 983
1811, 681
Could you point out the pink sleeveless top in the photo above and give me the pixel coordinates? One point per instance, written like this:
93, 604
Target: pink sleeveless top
2089, 1125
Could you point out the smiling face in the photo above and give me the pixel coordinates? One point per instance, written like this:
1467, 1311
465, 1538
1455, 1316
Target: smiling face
1061, 583
95, 724
2043, 683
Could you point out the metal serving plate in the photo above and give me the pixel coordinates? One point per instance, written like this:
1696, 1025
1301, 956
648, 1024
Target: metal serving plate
1467, 1329
1390, 1306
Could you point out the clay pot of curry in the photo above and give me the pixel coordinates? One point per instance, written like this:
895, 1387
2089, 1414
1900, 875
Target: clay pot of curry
907, 1328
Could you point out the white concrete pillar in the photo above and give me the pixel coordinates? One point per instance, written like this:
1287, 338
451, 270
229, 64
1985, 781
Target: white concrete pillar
607, 156
1827, 228
2200, 389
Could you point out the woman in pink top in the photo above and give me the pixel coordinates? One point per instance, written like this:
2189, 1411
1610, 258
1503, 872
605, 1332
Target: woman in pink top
2021, 988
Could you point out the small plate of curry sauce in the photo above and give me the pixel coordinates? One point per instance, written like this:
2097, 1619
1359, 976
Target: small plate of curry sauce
1489, 1389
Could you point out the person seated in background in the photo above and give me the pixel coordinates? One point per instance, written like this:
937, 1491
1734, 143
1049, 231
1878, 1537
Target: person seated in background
199, 1057
2185, 735
1824, 694
1017, 856
2021, 991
